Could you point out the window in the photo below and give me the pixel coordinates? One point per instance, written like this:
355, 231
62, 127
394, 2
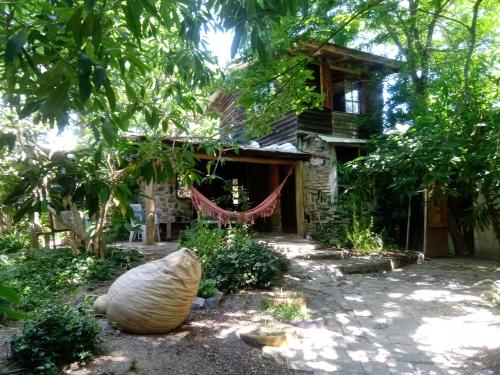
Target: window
235, 191
346, 93
351, 97
182, 189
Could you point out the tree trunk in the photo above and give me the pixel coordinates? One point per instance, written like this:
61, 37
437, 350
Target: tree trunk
35, 230
150, 214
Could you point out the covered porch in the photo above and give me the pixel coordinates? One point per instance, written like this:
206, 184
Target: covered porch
255, 172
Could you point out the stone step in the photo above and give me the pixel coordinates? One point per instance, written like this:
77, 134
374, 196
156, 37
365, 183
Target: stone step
365, 265
325, 255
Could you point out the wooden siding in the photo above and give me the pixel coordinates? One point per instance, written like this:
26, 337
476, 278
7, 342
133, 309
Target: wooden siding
317, 121
282, 131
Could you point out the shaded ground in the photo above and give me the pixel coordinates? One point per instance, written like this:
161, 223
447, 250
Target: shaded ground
206, 344
422, 319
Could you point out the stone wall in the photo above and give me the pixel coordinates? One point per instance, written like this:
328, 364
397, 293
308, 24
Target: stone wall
319, 177
168, 206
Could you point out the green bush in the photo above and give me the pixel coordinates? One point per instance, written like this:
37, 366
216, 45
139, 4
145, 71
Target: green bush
285, 310
47, 276
331, 234
59, 335
207, 288
13, 242
362, 236
234, 259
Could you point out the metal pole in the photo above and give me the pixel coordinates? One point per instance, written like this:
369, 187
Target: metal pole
425, 222
408, 224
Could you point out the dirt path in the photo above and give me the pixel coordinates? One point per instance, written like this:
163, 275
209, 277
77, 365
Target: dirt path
423, 319
206, 344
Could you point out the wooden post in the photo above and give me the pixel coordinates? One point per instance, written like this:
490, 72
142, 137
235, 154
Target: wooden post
326, 85
299, 199
150, 214
276, 216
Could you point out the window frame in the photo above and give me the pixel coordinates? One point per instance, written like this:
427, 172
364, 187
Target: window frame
351, 87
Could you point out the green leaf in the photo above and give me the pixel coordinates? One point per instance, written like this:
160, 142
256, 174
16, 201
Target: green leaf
7, 140
84, 87
14, 45
100, 77
258, 46
9, 294
110, 95
57, 97
131, 94
151, 8
238, 35
29, 108
133, 17
14, 314
108, 132
85, 64
76, 26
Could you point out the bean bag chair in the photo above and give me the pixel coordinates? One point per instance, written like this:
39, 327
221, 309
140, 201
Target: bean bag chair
155, 297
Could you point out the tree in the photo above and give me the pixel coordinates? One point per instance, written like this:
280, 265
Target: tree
108, 65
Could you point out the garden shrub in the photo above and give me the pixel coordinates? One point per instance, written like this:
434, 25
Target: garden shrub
204, 241
362, 236
234, 259
207, 288
285, 310
354, 229
331, 234
59, 335
13, 242
47, 276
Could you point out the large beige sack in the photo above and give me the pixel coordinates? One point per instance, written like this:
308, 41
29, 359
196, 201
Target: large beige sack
155, 297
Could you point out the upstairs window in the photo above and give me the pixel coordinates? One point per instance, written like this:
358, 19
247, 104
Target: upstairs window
351, 97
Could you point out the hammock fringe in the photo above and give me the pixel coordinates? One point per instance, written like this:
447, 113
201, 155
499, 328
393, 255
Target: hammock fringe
266, 208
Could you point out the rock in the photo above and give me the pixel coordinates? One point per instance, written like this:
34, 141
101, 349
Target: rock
214, 301
199, 303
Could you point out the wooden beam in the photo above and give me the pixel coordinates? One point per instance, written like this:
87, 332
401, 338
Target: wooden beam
299, 199
150, 213
346, 70
326, 85
245, 159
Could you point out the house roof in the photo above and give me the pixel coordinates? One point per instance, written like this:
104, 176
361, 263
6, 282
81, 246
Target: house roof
340, 56
241, 153
342, 140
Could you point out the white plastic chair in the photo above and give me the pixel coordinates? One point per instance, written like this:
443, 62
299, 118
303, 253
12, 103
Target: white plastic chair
138, 222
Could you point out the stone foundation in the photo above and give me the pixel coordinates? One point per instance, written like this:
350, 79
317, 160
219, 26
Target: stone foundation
319, 180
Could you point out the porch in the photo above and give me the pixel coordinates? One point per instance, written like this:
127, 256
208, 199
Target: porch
240, 182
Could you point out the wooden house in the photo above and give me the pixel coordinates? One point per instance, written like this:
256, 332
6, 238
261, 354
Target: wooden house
311, 143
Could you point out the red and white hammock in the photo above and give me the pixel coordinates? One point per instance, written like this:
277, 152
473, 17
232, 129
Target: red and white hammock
266, 208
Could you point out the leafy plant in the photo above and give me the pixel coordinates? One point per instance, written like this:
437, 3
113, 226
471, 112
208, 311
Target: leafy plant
13, 242
205, 241
362, 236
285, 310
331, 234
234, 259
46, 277
59, 335
207, 288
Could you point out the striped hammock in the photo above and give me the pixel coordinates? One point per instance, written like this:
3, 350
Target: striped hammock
266, 208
